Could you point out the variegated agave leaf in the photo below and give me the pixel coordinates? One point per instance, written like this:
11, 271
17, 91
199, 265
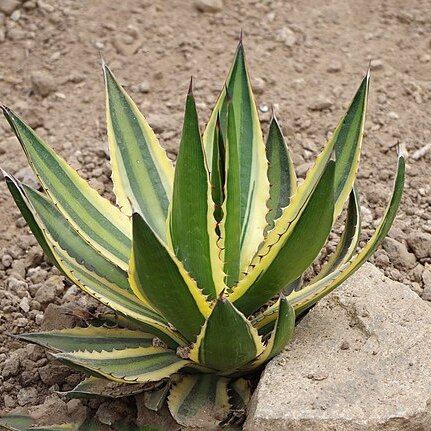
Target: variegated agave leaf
189, 257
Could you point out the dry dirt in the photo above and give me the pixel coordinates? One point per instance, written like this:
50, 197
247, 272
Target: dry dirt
306, 58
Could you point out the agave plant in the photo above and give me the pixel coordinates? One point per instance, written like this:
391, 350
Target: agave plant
202, 264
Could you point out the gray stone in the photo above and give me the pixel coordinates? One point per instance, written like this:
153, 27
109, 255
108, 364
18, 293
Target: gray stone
42, 83
52, 411
321, 105
57, 317
27, 176
399, 255
426, 278
27, 396
11, 367
420, 243
382, 382
52, 374
287, 36
376, 64
46, 293
209, 5
334, 67
258, 85
8, 6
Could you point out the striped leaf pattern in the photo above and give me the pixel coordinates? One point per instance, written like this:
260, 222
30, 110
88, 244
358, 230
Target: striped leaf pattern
141, 172
246, 183
214, 349
166, 286
298, 251
281, 173
199, 400
141, 364
97, 221
192, 223
119, 298
70, 340
305, 298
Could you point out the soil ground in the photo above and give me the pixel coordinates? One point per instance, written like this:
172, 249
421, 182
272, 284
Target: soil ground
305, 58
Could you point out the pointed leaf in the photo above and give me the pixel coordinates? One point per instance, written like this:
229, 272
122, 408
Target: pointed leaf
199, 400
17, 195
246, 161
285, 224
93, 217
218, 172
349, 240
154, 400
158, 278
141, 172
192, 223
16, 422
65, 235
227, 340
297, 252
69, 340
309, 295
142, 364
281, 173
100, 387
281, 334
231, 222
110, 294
348, 143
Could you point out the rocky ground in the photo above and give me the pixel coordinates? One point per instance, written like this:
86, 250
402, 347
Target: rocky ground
306, 59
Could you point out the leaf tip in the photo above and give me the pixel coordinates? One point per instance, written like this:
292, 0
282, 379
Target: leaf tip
222, 297
190, 90
400, 152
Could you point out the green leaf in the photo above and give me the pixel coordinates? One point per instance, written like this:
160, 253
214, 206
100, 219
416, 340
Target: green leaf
18, 196
281, 334
69, 240
292, 213
281, 173
218, 173
141, 172
297, 251
349, 240
142, 364
309, 295
305, 298
240, 394
154, 400
192, 223
246, 161
158, 277
99, 338
227, 340
231, 223
348, 140
16, 422
120, 299
101, 387
99, 222
199, 400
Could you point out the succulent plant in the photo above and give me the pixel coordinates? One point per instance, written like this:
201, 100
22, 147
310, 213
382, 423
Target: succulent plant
203, 263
